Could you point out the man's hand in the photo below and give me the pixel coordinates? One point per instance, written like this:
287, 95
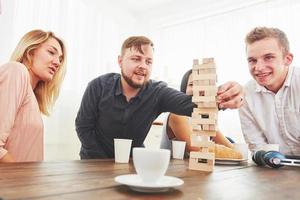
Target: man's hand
230, 95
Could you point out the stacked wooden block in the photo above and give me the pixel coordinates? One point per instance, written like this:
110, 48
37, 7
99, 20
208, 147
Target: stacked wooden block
204, 117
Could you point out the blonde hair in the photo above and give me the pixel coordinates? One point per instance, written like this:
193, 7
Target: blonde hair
260, 33
45, 92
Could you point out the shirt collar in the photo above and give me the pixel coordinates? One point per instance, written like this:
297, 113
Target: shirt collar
286, 83
118, 90
288, 79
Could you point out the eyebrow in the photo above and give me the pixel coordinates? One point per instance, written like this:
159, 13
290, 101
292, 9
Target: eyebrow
140, 57
269, 54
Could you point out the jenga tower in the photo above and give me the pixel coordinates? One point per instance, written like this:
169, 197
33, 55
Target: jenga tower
204, 117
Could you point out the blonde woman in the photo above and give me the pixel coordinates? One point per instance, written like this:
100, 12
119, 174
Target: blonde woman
29, 86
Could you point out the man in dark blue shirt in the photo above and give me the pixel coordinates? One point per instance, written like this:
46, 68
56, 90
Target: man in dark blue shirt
125, 105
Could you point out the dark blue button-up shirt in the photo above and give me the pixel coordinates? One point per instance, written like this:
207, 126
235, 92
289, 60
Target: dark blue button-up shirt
105, 113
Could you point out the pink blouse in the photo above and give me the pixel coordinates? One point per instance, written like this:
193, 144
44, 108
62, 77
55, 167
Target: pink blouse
21, 125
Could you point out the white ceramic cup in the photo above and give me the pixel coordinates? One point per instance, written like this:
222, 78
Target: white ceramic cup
242, 148
270, 147
122, 150
178, 149
150, 164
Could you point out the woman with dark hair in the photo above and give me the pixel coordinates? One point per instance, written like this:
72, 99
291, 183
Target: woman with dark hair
177, 127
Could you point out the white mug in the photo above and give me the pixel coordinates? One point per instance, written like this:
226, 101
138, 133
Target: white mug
150, 164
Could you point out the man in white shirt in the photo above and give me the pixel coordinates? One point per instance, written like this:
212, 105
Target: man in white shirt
271, 111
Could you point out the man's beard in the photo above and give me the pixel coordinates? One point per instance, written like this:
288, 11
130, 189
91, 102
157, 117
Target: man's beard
131, 83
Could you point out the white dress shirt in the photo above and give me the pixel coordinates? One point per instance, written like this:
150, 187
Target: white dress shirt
269, 118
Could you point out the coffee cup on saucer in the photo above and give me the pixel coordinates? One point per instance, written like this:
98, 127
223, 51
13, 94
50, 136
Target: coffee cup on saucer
150, 164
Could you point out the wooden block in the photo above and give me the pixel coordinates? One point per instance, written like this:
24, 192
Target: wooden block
207, 60
205, 138
204, 76
203, 132
210, 65
205, 127
204, 150
212, 82
195, 139
195, 73
201, 161
195, 62
196, 127
206, 111
208, 144
201, 83
198, 116
207, 70
195, 165
206, 104
204, 121
207, 156
212, 127
197, 119
211, 88
204, 99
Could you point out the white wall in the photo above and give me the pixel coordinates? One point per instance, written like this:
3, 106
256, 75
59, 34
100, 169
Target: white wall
6, 30
181, 30
220, 34
93, 37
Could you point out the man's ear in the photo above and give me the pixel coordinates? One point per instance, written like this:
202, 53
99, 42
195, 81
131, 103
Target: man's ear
288, 59
120, 59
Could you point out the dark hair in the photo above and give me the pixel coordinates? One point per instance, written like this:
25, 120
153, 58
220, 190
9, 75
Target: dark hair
184, 81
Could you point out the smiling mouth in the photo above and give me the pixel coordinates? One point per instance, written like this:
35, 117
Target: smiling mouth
263, 75
140, 73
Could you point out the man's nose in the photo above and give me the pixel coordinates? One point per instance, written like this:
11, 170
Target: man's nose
259, 65
143, 64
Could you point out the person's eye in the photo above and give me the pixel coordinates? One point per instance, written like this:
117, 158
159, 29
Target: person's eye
51, 52
135, 59
149, 62
268, 58
251, 61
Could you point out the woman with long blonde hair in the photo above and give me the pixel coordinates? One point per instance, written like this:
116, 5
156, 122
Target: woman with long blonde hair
29, 86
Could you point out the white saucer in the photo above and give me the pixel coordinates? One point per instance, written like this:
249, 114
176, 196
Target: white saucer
135, 183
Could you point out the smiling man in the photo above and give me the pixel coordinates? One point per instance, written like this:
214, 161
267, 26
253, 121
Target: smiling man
124, 106
271, 112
